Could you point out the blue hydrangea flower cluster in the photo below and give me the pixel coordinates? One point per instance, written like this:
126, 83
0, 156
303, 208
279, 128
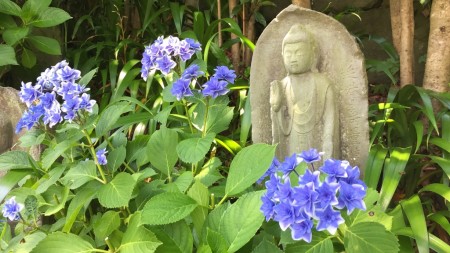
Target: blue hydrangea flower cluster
161, 55
55, 97
214, 87
11, 209
297, 207
101, 156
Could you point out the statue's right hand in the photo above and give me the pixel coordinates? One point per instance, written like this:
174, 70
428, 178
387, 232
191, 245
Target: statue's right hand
275, 94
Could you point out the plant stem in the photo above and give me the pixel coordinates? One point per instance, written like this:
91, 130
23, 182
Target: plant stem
206, 117
188, 116
222, 200
91, 148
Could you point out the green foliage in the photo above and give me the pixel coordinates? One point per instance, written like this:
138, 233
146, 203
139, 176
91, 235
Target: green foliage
248, 166
58, 241
411, 134
370, 237
167, 208
18, 35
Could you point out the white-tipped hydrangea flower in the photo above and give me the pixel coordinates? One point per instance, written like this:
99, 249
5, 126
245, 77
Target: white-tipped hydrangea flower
11, 209
163, 54
101, 156
296, 207
56, 97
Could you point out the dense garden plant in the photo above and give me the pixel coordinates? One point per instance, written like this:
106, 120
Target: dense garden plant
95, 190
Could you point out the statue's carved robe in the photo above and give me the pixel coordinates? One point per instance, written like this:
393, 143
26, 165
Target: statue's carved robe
299, 120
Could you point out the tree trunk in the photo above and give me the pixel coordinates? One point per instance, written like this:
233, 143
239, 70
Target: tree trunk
250, 33
437, 68
302, 3
407, 43
396, 25
235, 51
402, 26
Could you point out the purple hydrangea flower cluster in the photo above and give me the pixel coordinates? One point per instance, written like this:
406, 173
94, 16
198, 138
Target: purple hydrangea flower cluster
161, 54
101, 156
11, 209
216, 86
312, 199
55, 97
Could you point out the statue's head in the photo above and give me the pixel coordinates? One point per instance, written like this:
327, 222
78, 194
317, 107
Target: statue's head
299, 51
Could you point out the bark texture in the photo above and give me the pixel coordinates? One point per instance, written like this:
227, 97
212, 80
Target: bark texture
406, 51
235, 48
437, 68
396, 25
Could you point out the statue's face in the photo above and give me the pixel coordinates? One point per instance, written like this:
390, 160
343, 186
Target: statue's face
298, 57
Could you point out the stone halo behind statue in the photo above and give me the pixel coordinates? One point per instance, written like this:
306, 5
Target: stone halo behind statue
340, 64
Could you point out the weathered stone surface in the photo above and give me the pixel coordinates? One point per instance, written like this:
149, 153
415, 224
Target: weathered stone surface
340, 61
342, 5
10, 113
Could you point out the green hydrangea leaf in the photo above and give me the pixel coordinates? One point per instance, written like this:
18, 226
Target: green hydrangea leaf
168, 207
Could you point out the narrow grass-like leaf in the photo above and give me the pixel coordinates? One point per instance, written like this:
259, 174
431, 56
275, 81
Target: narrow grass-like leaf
428, 107
437, 188
436, 244
440, 142
87, 77
418, 126
246, 122
167, 208
395, 166
229, 144
442, 162
414, 212
374, 166
126, 75
441, 220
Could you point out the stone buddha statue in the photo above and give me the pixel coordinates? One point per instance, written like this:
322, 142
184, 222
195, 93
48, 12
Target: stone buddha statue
304, 107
